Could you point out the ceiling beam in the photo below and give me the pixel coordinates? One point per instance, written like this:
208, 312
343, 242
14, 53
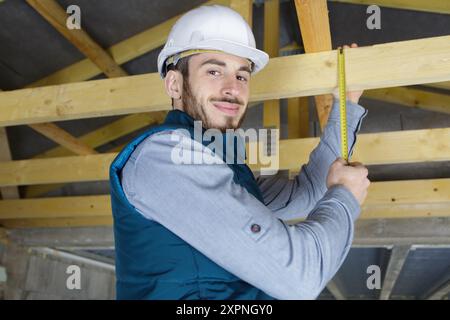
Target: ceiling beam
121, 53
97, 138
315, 29
11, 192
385, 65
431, 201
397, 259
412, 97
407, 146
434, 6
79, 233
51, 11
440, 293
271, 108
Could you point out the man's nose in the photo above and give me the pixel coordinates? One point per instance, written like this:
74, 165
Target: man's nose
231, 86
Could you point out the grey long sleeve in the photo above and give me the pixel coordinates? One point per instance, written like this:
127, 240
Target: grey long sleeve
295, 198
203, 206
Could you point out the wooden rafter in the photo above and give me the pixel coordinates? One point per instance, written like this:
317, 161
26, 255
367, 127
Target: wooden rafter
51, 11
315, 29
434, 6
97, 138
412, 97
5, 155
271, 108
414, 199
121, 52
380, 66
374, 148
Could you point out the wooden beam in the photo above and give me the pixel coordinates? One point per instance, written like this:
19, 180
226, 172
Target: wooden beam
395, 265
121, 52
434, 6
98, 138
441, 292
110, 132
440, 85
415, 199
5, 155
379, 66
57, 16
374, 148
11, 192
36, 171
63, 138
412, 97
315, 29
298, 118
271, 108
58, 222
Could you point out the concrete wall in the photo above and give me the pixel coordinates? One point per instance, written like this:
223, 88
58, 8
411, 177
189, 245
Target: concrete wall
40, 273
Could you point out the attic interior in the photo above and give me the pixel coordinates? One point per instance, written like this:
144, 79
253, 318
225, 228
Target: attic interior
54, 186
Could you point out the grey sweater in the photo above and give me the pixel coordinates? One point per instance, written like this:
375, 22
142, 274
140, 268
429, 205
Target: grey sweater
204, 206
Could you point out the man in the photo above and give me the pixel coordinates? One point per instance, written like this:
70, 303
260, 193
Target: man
202, 231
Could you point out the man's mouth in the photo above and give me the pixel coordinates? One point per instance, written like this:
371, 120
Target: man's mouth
231, 109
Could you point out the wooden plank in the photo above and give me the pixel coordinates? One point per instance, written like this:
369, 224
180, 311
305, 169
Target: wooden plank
82, 168
379, 66
51, 11
121, 52
97, 138
412, 97
434, 6
315, 29
5, 155
441, 292
440, 85
374, 148
63, 138
110, 132
413, 199
60, 207
398, 257
271, 108
57, 222
298, 118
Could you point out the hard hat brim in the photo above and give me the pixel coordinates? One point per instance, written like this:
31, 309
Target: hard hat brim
258, 57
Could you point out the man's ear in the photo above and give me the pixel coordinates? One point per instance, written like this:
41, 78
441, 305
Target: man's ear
174, 84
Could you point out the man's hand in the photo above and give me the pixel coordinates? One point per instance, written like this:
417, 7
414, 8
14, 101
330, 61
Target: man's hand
353, 96
352, 175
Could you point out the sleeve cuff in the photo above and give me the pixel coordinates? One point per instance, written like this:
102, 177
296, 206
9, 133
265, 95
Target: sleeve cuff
342, 194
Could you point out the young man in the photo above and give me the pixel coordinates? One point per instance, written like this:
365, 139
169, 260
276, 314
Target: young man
202, 231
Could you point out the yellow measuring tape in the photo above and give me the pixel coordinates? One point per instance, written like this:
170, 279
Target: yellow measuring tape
343, 104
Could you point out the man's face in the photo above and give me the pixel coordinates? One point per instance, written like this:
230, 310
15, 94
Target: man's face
217, 90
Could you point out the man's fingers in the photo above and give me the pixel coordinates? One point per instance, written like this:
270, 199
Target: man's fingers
341, 161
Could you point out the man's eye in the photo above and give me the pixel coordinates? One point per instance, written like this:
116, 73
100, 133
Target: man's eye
213, 72
241, 78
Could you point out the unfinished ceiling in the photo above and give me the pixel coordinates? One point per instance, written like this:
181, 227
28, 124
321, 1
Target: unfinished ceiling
31, 50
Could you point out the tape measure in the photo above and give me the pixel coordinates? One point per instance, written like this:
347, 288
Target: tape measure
342, 104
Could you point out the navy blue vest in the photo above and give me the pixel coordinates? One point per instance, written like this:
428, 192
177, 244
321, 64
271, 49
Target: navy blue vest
154, 263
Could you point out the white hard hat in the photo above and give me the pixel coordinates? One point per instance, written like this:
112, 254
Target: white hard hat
211, 28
